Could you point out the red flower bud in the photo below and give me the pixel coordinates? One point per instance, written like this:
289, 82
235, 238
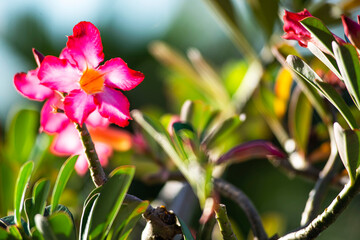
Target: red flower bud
352, 30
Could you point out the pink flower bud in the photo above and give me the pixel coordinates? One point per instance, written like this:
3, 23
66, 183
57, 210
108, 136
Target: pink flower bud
352, 30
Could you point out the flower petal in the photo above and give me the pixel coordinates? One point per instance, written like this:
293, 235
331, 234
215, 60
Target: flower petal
29, 86
112, 104
96, 120
118, 139
67, 142
78, 105
53, 122
59, 74
118, 75
293, 28
352, 30
85, 46
103, 151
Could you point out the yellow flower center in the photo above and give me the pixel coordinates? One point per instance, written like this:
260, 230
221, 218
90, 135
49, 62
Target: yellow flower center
92, 81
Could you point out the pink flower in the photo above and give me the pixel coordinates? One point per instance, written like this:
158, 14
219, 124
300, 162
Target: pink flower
352, 30
88, 86
28, 83
295, 31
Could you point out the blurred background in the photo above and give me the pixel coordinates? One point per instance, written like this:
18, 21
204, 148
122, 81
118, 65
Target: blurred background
127, 29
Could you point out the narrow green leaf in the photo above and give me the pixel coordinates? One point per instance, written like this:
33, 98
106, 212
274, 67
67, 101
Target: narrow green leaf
300, 119
14, 232
319, 31
109, 202
37, 204
306, 73
86, 216
64, 174
348, 61
44, 227
127, 218
333, 96
40, 194
20, 189
220, 131
36, 235
186, 232
62, 226
348, 144
328, 60
21, 134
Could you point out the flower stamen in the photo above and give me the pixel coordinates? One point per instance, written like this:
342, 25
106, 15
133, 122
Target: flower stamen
92, 81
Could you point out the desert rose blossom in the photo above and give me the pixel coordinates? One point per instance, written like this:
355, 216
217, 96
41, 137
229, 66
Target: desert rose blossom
295, 31
352, 30
87, 85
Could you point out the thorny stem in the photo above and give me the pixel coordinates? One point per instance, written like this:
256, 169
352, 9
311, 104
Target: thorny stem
235, 194
330, 214
224, 223
96, 171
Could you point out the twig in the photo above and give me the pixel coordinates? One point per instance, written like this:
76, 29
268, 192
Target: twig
235, 194
317, 194
224, 223
329, 215
96, 171
206, 229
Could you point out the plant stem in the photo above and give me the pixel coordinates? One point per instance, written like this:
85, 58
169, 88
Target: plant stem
329, 215
224, 223
235, 194
96, 171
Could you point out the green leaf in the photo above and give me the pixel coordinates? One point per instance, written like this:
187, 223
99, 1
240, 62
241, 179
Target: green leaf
220, 131
300, 119
186, 232
21, 135
4, 234
127, 218
109, 202
307, 74
59, 208
86, 216
64, 174
328, 60
319, 31
62, 226
20, 189
347, 59
348, 144
14, 232
333, 96
37, 204
44, 227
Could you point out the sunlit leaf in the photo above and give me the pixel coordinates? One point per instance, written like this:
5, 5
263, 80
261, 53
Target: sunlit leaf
108, 204
20, 189
348, 61
86, 216
62, 226
348, 144
64, 174
127, 218
319, 31
306, 73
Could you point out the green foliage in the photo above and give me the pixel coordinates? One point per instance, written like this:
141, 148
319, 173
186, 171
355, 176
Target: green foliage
104, 215
348, 144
